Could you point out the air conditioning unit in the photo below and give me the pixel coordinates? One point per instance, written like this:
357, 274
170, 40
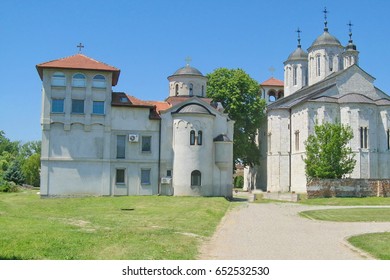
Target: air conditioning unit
133, 138
166, 180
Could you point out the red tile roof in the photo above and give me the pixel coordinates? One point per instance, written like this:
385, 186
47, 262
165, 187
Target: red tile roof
123, 99
173, 100
82, 62
160, 105
272, 82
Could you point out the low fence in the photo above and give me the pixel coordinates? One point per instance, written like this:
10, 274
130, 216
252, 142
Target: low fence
348, 188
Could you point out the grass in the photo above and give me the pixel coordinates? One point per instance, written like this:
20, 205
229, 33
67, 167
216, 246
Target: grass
347, 201
349, 215
149, 227
376, 244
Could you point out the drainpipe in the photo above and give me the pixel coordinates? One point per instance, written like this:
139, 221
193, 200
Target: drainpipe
289, 158
159, 158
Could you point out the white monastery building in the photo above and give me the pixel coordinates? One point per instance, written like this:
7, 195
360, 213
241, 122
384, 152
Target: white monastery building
99, 142
324, 84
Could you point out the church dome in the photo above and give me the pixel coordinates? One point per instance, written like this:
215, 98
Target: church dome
188, 70
326, 39
298, 54
194, 109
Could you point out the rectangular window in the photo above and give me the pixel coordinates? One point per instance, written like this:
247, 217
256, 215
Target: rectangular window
297, 140
98, 107
57, 105
269, 142
120, 176
146, 143
145, 176
169, 173
120, 146
77, 106
363, 137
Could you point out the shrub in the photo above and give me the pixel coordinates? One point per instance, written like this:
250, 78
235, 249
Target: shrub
6, 186
239, 181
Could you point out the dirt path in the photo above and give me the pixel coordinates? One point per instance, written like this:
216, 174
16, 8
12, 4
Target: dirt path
274, 231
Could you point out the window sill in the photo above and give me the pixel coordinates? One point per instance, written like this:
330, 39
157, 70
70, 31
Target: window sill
98, 115
80, 114
57, 113
57, 86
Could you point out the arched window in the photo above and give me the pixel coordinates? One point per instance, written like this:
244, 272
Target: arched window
177, 90
318, 65
280, 94
99, 81
271, 96
331, 63
192, 137
200, 136
190, 89
58, 79
78, 80
295, 78
202, 90
196, 178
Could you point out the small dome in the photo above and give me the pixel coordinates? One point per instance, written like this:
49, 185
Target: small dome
298, 54
188, 70
193, 108
326, 39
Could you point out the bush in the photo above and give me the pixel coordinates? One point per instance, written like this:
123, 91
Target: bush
6, 186
239, 181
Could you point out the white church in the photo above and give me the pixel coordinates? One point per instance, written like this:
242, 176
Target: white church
99, 142
324, 84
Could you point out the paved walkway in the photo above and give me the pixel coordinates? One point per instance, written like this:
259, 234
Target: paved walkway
274, 231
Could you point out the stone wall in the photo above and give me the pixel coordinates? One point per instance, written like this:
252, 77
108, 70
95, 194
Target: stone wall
348, 188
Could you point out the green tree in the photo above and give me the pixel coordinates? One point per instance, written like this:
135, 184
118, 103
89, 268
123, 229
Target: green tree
31, 169
239, 95
327, 152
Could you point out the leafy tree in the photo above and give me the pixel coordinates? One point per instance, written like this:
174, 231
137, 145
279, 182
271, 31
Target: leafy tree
327, 152
31, 169
7, 145
239, 95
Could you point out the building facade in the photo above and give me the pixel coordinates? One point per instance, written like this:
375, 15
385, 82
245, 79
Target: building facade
324, 84
99, 142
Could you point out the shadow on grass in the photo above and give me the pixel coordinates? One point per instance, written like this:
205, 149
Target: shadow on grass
236, 199
3, 258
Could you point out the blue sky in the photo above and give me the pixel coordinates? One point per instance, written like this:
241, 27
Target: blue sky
149, 40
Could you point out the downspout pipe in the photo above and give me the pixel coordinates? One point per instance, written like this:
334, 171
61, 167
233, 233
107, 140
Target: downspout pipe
289, 158
159, 159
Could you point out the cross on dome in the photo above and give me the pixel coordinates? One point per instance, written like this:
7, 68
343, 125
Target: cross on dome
325, 11
299, 37
188, 61
80, 46
350, 31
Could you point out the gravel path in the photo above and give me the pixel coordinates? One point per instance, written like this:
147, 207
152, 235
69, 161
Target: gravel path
274, 231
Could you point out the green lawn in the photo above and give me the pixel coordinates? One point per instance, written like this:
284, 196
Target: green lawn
347, 201
349, 215
138, 227
377, 244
